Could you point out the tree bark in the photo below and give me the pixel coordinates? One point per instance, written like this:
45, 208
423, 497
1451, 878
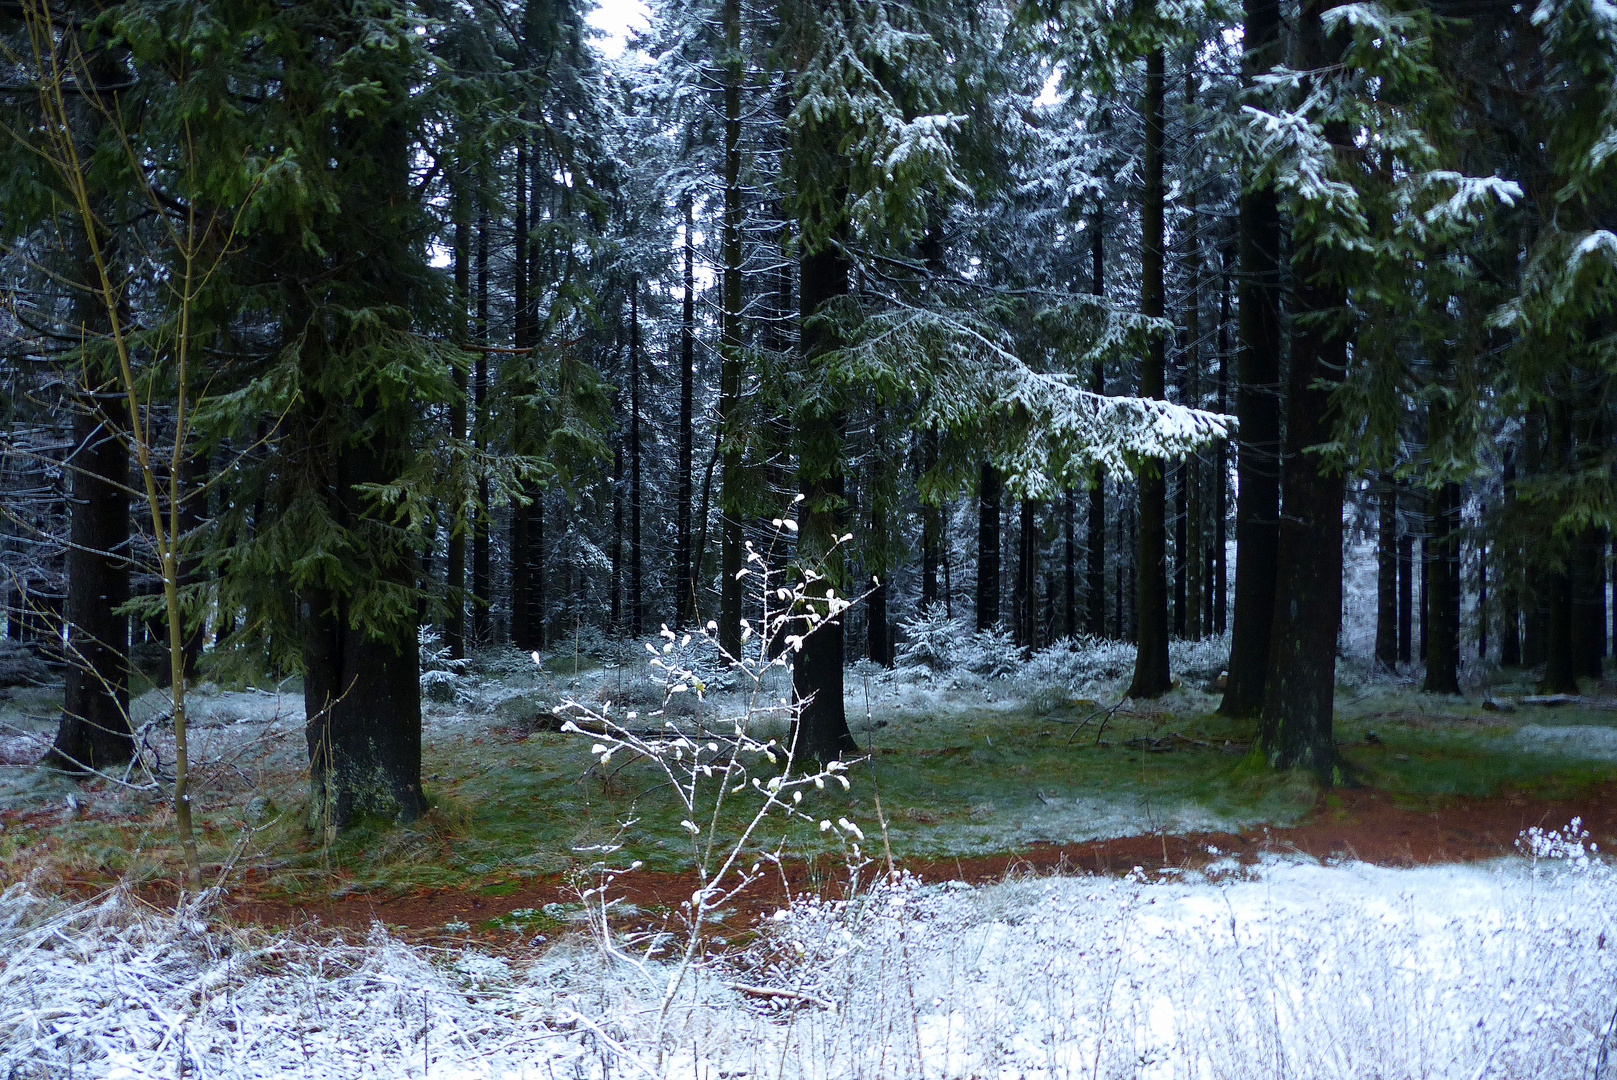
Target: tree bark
1097, 490
988, 541
1151, 676
1221, 468
1257, 525
637, 606
931, 525
455, 568
820, 730
1443, 608
1387, 576
1406, 588
1025, 600
684, 582
731, 371
94, 731
1295, 726
482, 570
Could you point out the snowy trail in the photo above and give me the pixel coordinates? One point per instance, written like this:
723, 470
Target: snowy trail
1297, 970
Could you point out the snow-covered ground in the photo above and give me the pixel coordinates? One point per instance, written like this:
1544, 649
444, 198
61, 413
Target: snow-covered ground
1294, 970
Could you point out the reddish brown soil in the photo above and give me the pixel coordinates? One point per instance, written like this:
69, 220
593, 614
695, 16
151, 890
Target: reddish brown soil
1361, 824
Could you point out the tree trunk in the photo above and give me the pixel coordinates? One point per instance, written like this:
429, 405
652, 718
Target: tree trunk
1387, 576
1588, 573
931, 525
94, 731
1406, 589
1482, 599
684, 582
820, 731
1097, 490
1295, 726
988, 541
482, 571
455, 570
1191, 470
731, 371
1069, 565
1257, 504
1443, 608
1151, 677
637, 607
1221, 467
1025, 599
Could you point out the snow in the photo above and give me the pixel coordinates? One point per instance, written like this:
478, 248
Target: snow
1592, 742
1290, 969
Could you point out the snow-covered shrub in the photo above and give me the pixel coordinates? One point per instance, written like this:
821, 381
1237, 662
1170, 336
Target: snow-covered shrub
991, 653
932, 639
442, 675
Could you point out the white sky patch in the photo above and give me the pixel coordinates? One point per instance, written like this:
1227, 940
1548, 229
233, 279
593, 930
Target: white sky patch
1052, 87
617, 18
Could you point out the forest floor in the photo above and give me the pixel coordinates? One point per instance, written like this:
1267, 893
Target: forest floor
977, 778
1138, 898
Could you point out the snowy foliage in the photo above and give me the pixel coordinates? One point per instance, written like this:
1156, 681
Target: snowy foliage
1289, 969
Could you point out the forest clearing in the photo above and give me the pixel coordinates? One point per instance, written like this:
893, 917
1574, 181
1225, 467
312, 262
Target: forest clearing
1028, 539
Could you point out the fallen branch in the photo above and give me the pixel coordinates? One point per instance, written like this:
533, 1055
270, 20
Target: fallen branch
776, 992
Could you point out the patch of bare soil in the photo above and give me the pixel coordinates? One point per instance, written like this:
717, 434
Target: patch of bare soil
1350, 824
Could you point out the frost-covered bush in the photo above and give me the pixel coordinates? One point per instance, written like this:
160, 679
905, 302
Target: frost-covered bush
443, 677
931, 639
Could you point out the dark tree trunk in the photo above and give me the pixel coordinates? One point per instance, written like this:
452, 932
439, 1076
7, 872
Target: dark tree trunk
730, 375
1425, 587
988, 541
521, 631
482, 570
1025, 600
1510, 641
931, 525
820, 732
1482, 599
1221, 468
1588, 573
1387, 576
1257, 503
1406, 589
616, 601
361, 688
1181, 549
1191, 551
1097, 490
1295, 726
455, 568
94, 731
1069, 565
637, 607
878, 631
684, 582
1151, 676
1443, 609
1560, 664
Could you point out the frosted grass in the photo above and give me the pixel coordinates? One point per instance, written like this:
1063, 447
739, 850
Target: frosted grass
1294, 970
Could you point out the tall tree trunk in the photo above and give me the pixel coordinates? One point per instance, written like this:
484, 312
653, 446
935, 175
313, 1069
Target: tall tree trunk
1510, 641
1097, 490
931, 525
637, 605
1257, 504
820, 732
1387, 575
1191, 470
1294, 729
482, 570
1151, 677
1482, 599
1026, 594
1588, 573
455, 570
521, 604
730, 375
878, 630
1069, 565
988, 541
1443, 607
684, 582
94, 731
1221, 451
1406, 587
